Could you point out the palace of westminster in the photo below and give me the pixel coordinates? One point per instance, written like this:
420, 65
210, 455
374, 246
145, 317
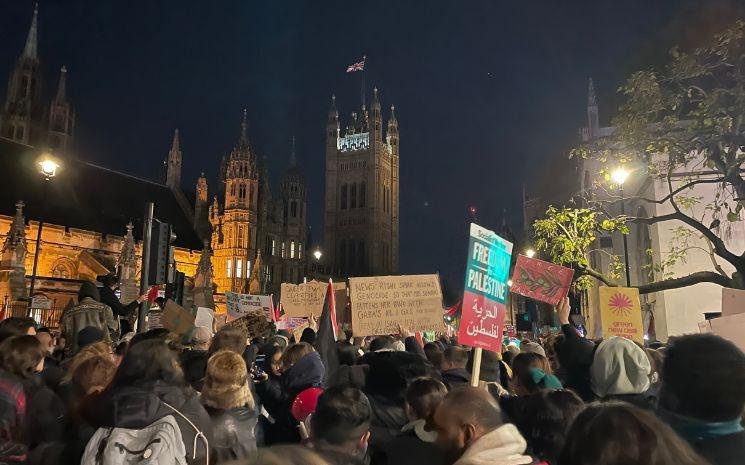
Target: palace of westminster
238, 236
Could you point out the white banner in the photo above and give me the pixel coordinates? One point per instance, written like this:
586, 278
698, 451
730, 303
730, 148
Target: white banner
240, 304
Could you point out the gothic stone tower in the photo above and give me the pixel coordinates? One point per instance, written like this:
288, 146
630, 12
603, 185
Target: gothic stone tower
362, 193
294, 208
234, 245
61, 117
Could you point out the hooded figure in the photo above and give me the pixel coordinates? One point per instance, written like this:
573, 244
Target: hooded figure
89, 312
620, 370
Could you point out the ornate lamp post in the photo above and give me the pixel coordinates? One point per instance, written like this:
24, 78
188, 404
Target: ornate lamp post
48, 167
619, 176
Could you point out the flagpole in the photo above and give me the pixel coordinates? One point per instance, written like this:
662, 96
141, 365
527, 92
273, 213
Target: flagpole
362, 87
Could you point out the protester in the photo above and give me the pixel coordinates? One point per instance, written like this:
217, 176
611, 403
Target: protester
470, 431
194, 360
16, 326
416, 442
531, 373
529, 347
454, 362
702, 395
618, 433
347, 353
89, 312
308, 336
434, 354
490, 375
298, 455
575, 354
108, 296
231, 407
620, 370
340, 426
148, 386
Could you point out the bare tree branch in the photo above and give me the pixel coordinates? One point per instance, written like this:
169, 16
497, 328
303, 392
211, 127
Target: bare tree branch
684, 281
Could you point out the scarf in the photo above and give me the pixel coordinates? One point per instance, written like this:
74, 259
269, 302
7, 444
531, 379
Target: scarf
693, 430
544, 380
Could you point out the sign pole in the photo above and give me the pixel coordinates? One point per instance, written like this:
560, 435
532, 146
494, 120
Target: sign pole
476, 371
147, 229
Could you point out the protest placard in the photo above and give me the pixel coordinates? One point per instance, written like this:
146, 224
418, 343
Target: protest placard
176, 318
704, 326
621, 313
485, 293
730, 327
540, 280
381, 303
153, 319
733, 301
303, 300
205, 317
239, 305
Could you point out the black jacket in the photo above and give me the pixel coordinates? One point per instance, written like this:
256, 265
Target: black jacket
575, 356
387, 419
456, 377
233, 434
407, 448
109, 298
724, 450
194, 365
136, 407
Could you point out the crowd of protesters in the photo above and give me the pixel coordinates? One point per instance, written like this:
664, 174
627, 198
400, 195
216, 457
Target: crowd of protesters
95, 395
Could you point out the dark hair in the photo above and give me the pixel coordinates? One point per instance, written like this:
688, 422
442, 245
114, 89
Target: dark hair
229, 338
43, 329
703, 376
146, 362
423, 396
308, 336
108, 280
347, 353
15, 326
544, 419
456, 356
521, 366
617, 433
391, 372
508, 358
20, 355
434, 354
342, 415
381, 343
294, 353
159, 334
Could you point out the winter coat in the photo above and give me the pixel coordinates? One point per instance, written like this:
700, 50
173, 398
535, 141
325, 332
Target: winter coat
723, 450
414, 445
135, 407
233, 434
88, 312
575, 356
456, 377
386, 422
12, 415
45, 414
109, 298
503, 446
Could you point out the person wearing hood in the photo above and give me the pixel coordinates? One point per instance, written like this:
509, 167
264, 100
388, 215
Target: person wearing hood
231, 407
454, 362
89, 312
108, 296
620, 370
194, 360
470, 431
147, 382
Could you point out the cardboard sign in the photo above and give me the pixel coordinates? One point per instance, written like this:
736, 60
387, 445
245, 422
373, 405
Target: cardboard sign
176, 319
381, 303
540, 280
153, 319
704, 327
205, 317
485, 293
240, 304
730, 327
733, 301
510, 330
621, 313
303, 300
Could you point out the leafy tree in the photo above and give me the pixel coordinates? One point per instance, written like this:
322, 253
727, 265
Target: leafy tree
686, 122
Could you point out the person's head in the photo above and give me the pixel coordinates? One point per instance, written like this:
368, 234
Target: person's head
309, 336
464, 416
201, 338
295, 454
97, 349
381, 343
22, 356
274, 361
490, 368
90, 335
532, 348
530, 374
294, 353
703, 377
347, 353
390, 373
93, 375
226, 382
423, 396
617, 433
342, 420
455, 357
16, 326
109, 280
229, 338
46, 339
544, 419
147, 362
656, 359
434, 354
508, 357
88, 289
619, 367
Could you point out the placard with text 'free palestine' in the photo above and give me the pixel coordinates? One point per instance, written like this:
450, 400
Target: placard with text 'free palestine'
485, 293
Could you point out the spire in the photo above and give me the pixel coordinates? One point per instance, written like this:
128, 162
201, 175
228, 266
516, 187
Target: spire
593, 120
16, 238
175, 145
173, 165
244, 128
29, 51
375, 102
293, 158
333, 113
392, 119
62, 86
592, 100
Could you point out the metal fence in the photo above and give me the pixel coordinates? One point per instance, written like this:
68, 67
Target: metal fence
43, 317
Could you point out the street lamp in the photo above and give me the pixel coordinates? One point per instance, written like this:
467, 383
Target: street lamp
48, 166
619, 176
317, 254
530, 253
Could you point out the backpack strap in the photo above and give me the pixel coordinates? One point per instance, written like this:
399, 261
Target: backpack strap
199, 435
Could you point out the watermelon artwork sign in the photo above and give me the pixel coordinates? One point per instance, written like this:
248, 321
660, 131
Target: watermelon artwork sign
540, 280
485, 293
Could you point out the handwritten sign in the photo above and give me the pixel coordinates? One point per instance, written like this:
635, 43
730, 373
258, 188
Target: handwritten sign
205, 317
239, 305
540, 280
303, 300
176, 319
485, 293
153, 319
621, 313
381, 303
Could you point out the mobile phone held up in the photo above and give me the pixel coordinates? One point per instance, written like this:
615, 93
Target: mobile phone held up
259, 366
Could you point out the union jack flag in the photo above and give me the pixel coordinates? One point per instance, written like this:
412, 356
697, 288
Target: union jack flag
359, 66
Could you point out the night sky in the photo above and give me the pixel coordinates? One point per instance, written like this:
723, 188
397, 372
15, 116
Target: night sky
485, 91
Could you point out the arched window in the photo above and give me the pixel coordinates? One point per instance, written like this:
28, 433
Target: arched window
241, 234
300, 250
64, 268
230, 268
363, 194
292, 249
282, 252
353, 196
238, 268
293, 208
343, 199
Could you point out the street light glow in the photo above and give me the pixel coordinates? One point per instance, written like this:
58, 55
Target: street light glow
48, 167
530, 253
317, 254
619, 176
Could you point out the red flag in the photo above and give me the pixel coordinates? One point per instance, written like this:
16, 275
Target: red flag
418, 337
3, 313
152, 293
332, 307
452, 310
